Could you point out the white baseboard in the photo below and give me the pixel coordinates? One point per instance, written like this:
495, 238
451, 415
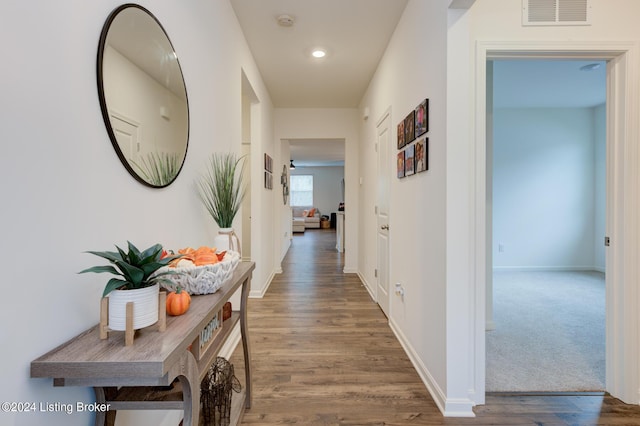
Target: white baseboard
367, 286
350, 270
459, 407
285, 250
449, 407
548, 268
231, 344
259, 294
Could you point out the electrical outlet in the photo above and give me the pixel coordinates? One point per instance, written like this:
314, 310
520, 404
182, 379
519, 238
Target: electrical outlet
500, 248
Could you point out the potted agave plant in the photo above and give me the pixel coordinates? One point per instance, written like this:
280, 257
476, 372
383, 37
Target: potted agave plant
221, 190
136, 281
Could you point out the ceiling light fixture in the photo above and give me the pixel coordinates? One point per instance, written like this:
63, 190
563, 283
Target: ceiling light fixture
291, 165
319, 53
590, 67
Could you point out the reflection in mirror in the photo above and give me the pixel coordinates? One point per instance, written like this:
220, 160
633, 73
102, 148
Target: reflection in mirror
143, 95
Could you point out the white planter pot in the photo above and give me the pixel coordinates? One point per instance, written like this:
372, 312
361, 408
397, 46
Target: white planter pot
226, 240
145, 307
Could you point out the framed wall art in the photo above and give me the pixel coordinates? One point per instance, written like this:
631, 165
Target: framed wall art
268, 163
401, 134
422, 118
400, 166
422, 155
268, 171
409, 163
409, 128
413, 157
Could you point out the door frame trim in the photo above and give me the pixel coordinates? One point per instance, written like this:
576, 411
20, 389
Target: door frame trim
623, 202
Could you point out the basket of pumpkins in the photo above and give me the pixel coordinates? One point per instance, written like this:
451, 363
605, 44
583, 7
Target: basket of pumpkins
200, 271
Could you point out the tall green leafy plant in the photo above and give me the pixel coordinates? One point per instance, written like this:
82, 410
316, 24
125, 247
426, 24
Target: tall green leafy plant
159, 168
221, 187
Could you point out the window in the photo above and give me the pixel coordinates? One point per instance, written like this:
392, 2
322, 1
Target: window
301, 190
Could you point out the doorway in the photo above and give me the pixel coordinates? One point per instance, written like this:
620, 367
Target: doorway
622, 377
249, 104
320, 182
547, 159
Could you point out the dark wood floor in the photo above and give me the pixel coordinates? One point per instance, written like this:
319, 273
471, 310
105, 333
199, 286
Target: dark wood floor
323, 354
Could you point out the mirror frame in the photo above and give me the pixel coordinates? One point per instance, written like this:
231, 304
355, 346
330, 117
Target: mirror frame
103, 103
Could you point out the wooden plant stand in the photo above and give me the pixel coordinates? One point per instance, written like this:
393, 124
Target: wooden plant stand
129, 332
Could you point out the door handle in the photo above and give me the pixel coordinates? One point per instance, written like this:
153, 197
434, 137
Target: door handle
383, 227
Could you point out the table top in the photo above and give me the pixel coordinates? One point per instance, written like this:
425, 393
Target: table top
152, 353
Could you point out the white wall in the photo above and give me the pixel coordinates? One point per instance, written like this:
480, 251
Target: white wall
326, 186
284, 211
329, 123
136, 95
65, 191
413, 68
544, 188
498, 22
432, 241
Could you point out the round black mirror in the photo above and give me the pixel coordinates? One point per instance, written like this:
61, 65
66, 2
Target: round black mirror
143, 95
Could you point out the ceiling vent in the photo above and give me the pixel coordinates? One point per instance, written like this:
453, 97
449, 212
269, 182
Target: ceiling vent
556, 12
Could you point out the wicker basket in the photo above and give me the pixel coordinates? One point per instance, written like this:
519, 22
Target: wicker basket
205, 279
215, 393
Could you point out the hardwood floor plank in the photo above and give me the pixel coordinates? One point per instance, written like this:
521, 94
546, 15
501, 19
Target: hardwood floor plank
323, 354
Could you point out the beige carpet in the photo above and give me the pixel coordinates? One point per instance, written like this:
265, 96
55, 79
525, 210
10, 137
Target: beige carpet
550, 332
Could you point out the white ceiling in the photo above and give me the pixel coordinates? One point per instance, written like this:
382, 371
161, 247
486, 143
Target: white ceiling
317, 152
355, 34
138, 37
548, 84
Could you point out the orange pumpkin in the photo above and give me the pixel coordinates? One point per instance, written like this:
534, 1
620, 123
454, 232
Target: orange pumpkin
178, 302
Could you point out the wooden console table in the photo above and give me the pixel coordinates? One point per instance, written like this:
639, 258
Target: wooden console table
128, 377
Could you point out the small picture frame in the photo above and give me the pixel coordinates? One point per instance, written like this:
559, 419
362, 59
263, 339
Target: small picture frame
409, 128
409, 163
268, 180
422, 118
268, 163
400, 164
422, 155
401, 141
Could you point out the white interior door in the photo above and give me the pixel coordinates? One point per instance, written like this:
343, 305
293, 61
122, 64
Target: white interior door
383, 138
126, 133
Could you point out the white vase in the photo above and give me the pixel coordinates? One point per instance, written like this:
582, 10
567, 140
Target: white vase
145, 307
226, 240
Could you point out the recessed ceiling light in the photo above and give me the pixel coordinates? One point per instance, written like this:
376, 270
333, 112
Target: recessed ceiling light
318, 53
